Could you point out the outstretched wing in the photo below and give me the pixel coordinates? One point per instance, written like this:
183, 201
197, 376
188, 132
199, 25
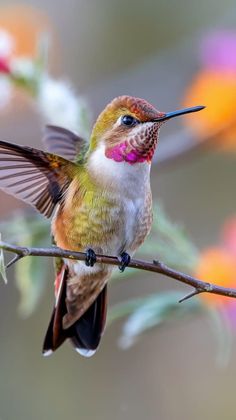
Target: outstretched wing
64, 143
36, 177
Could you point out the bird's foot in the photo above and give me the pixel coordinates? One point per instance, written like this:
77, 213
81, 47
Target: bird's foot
90, 258
125, 260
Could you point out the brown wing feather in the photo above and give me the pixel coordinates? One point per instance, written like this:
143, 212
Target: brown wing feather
36, 177
63, 142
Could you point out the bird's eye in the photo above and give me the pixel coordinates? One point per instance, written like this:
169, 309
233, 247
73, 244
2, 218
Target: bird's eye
128, 120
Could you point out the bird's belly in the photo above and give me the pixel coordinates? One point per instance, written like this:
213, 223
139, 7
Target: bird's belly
109, 227
127, 230
138, 219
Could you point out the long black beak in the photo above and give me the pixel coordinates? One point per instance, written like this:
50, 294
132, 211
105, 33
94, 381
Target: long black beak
173, 114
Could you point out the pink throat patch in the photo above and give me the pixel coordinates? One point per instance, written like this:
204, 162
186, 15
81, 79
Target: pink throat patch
119, 153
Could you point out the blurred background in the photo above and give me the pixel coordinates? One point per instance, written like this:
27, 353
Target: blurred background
149, 49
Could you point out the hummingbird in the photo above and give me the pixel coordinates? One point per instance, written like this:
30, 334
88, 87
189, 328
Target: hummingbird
98, 196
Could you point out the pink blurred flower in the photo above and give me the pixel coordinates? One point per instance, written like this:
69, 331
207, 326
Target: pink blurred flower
218, 51
6, 50
4, 66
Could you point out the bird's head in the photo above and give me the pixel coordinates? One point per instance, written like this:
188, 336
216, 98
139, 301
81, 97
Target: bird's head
128, 129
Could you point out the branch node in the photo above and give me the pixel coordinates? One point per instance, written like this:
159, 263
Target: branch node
157, 263
25, 252
14, 260
190, 295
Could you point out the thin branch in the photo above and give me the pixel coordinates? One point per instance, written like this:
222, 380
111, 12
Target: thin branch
155, 267
190, 295
14, 260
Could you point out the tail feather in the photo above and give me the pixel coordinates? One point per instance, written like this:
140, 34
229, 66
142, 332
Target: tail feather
55, 335
85, 333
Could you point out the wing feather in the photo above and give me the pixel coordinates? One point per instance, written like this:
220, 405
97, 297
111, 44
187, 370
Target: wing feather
64, 142
36, 177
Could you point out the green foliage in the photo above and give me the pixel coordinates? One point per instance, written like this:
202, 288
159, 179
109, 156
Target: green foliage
31, 278
149, 312
31, 273
223, 333
153, 311
170, 242
2, 265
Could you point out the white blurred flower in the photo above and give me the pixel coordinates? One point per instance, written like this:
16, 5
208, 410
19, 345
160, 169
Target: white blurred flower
60, 106
23, 67
5, 91
7, 44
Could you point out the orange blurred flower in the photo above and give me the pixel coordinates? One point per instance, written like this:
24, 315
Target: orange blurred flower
216, 90
215, 87
23, 41
217, 266
24, 24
